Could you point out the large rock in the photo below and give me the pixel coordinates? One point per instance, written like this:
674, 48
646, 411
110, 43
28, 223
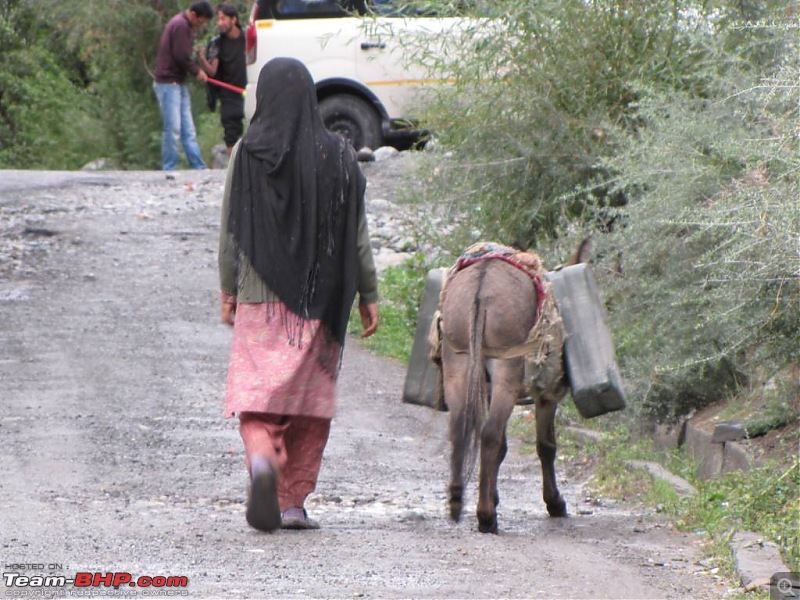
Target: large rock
385, 153
729, 431
756, 559
707, 454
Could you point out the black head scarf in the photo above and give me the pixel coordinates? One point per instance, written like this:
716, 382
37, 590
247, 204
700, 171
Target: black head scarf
295, 198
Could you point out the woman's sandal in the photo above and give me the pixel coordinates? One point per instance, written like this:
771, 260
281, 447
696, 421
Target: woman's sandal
263, 512
297, 518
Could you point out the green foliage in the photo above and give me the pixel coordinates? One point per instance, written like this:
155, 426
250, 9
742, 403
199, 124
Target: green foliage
118, 42
549, 89
704, 290
774, 416
45, 121
669, 126
401, 290
613, 476
765, 500
75, 82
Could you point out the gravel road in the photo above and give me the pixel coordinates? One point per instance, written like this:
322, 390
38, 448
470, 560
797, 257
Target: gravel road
116, 457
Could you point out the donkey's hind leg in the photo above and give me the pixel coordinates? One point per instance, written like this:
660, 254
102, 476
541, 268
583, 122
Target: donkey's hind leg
455, 367
506, 377
546, 449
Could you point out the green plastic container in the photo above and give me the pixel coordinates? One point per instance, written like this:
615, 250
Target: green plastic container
423, 378
592, 369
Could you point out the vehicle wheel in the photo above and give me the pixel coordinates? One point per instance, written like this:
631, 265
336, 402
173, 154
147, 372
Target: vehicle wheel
353, 118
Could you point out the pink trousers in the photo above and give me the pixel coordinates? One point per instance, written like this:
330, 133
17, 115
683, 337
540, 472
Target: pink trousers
292, 444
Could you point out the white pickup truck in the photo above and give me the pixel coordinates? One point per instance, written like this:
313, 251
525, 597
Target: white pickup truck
365, 57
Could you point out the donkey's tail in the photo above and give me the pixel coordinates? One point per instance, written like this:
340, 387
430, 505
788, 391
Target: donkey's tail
475, 409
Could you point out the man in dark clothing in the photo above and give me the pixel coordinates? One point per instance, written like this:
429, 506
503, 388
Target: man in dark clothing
225, 60
173, 64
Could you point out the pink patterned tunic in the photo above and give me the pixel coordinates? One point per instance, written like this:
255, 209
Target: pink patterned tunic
268, 373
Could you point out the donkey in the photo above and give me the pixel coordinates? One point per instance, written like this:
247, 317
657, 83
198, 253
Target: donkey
488, 311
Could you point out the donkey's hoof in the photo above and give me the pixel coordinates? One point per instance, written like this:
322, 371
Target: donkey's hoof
455, 511
557, 508
455, 500
487, 525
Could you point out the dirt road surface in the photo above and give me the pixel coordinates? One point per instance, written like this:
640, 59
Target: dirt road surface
116, 457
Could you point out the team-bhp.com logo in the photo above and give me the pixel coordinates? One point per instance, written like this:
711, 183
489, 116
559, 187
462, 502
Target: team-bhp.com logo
157, 585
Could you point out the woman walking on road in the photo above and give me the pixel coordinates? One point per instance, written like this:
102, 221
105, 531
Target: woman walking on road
294, 250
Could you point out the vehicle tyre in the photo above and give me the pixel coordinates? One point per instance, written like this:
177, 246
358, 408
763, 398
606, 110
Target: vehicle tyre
353, 118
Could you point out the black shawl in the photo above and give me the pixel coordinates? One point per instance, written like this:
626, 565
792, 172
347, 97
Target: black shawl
296, 194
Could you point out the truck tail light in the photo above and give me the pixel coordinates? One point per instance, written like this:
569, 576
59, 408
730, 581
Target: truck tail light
251, 38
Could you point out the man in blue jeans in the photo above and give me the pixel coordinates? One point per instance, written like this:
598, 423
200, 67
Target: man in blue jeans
173, 64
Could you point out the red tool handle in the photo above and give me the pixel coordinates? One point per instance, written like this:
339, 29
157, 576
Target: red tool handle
227, 86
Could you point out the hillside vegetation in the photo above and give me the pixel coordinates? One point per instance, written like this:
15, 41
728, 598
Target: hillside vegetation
75, 83
668, 130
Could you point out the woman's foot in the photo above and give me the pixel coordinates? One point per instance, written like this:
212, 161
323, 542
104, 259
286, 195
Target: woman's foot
263, 511
296, 517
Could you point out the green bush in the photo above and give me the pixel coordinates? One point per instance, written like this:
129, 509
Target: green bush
549, 89
765, 500
667, 126
401, 290
45, 120
75, 82
704, 292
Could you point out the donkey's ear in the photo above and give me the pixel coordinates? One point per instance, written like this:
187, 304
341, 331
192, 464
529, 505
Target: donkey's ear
582, 253
518, 244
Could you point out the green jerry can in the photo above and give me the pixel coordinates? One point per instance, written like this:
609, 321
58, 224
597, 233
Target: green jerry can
423, 377
591, 364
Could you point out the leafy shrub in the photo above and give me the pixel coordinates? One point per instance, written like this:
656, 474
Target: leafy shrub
666, 125
401, 290
74, 82
548, 89
705, 291
45, 120
763, 500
